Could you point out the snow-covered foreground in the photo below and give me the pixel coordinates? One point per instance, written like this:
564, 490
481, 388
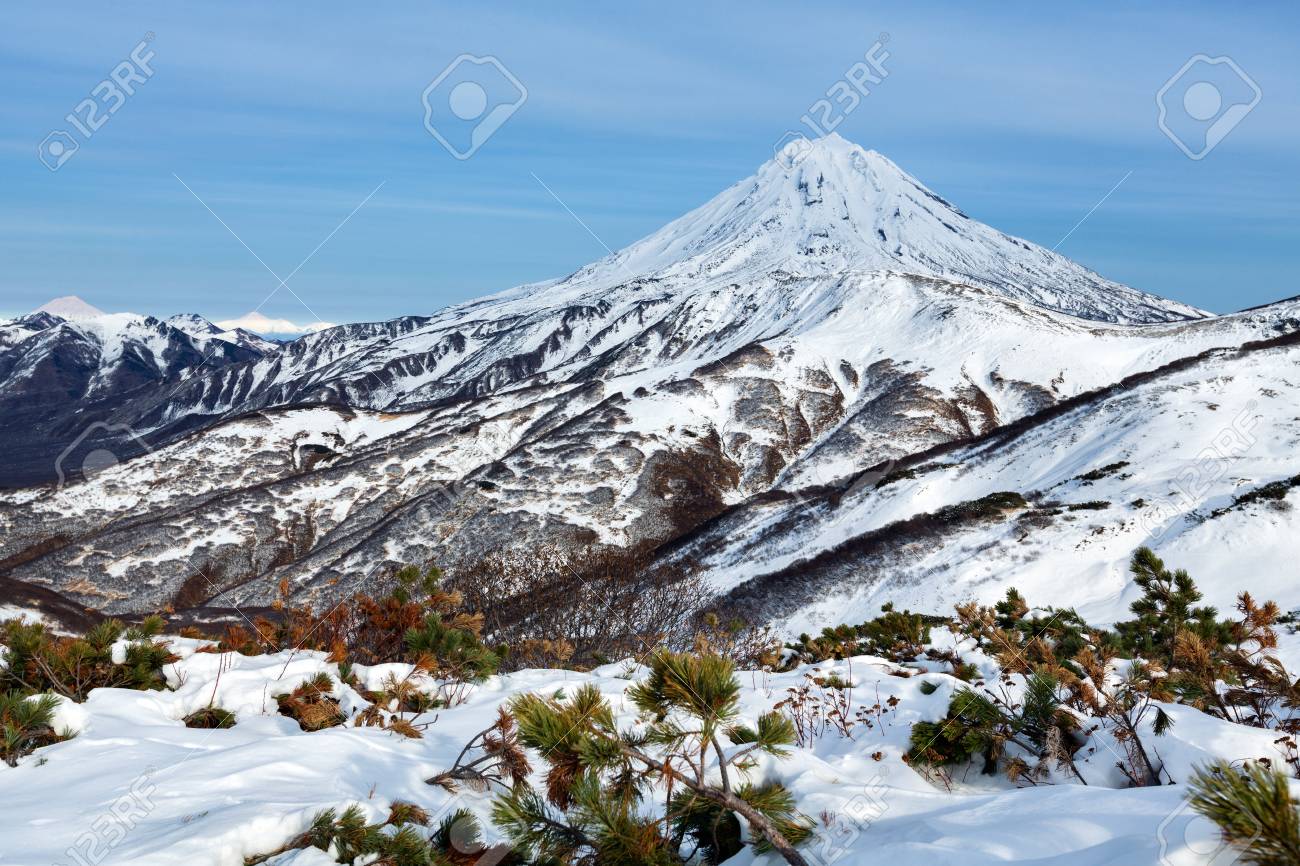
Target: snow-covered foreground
137, 786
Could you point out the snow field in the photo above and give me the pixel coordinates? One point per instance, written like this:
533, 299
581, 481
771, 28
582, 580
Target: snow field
136, 786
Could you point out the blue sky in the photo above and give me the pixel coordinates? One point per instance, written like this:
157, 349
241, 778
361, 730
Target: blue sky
284, 117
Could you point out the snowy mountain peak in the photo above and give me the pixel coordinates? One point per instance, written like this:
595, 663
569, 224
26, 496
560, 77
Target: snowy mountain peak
830, 207
192, 323
70, 307
198, 326
37, 321
833, 149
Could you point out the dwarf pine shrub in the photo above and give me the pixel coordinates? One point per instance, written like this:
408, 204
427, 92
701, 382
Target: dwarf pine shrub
26, 723
984, 725
967, 730
455, 648
210, 717
1253, 809
36, 660
400, 840
311, 704
899, 636
1168, 606
597, 773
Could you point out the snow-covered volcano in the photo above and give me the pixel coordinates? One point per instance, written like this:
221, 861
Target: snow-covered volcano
830, 207
796, 246
821, 317
71, 308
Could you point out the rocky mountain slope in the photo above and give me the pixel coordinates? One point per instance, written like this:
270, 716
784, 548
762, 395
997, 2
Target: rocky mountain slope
62, 378
723, 375
1195, 459
198, 326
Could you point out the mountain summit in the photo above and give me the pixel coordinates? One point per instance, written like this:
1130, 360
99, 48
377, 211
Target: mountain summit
70, 307
831, 207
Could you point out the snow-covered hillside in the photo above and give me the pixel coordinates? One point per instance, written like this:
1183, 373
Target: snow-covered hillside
1197, 461
649, 453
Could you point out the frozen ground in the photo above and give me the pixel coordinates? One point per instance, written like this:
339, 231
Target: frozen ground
135, 786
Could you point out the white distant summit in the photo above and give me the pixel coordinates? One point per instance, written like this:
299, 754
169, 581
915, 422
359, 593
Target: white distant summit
260, 324
72, 308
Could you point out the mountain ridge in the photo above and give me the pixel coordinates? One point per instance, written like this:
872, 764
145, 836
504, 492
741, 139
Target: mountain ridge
61, 377
721, 361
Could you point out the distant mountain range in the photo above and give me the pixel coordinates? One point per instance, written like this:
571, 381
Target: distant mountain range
812, 385
69, 366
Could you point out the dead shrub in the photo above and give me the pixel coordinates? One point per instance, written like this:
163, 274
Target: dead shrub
604, 603
210, 717
311, 705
